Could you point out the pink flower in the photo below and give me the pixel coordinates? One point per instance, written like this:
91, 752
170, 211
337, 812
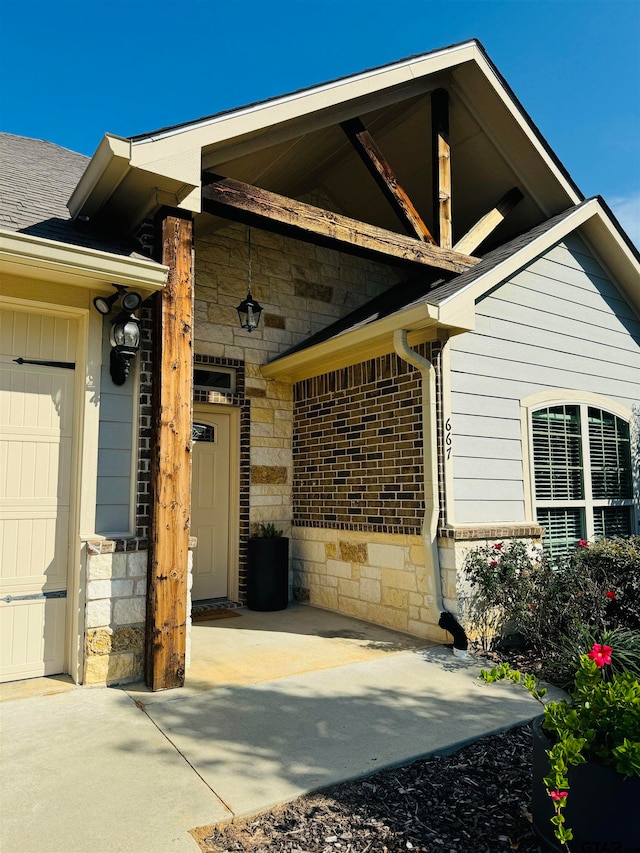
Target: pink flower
583, 543
493, 563
600, 654
558, 795
611, 595
498, 546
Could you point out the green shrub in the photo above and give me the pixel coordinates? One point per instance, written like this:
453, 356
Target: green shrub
515, 588
615, 565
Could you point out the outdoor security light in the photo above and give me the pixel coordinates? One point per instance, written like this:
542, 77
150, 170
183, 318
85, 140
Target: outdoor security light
125, 330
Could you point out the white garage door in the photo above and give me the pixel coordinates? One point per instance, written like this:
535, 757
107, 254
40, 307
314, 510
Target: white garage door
37, 354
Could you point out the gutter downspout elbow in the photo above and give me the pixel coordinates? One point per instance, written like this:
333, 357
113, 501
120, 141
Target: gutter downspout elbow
447, 619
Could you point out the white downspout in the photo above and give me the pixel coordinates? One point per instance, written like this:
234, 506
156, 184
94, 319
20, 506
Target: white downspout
430, 470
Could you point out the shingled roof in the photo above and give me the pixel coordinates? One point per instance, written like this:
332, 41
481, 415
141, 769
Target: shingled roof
433, 287
36, 179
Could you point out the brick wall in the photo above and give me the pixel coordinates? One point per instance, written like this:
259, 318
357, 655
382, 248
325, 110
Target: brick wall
357, 451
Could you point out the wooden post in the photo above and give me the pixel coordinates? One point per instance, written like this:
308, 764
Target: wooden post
170, 457
441, 162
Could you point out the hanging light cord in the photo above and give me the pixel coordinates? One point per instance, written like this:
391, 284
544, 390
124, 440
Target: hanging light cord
249, 251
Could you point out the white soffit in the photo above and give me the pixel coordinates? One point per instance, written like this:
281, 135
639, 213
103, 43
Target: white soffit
174, 153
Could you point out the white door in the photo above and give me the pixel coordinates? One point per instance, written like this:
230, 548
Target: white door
36, 425
210, 505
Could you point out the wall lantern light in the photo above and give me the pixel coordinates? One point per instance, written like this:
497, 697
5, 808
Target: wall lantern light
125, 331
249, 310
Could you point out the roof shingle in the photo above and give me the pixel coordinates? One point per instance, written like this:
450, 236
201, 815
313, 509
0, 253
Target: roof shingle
36, 179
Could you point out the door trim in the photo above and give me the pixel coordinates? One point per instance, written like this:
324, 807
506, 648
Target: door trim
200, 413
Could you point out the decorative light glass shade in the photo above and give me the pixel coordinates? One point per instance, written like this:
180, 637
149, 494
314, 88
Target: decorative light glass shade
249, 312
126, 334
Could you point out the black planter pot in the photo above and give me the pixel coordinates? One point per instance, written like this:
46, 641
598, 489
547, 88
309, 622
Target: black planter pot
268, 574
602, 806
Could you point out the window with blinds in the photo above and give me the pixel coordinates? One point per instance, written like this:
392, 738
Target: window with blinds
557, 453
610, 452
563, 528
582, 476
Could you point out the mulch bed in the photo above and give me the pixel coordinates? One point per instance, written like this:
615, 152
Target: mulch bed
474, 801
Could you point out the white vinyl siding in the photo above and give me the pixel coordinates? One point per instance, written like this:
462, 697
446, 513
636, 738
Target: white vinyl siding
559, 324
116, 442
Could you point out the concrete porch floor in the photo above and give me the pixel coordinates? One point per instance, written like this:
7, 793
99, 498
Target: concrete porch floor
255, 647
276, 704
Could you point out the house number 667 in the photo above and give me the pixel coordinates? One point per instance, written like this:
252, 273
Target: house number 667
448, 441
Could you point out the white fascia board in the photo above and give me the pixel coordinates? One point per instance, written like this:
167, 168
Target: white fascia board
106, 170
475, 289
353, 345
525, 126
257, 117
36, 257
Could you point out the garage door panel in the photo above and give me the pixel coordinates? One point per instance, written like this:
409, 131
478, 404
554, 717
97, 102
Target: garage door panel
34, 552
35, 470
36, 423
31, 395
32, 638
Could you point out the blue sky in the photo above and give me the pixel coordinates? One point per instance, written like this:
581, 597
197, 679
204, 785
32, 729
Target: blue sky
72, 70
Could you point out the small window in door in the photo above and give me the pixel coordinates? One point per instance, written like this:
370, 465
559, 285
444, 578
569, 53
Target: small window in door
222, 379
203, 432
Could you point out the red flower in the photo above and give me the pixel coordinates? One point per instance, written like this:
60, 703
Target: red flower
532, 607
493, 563
582, 543
558, 795
611, 595
600, 654
498, 546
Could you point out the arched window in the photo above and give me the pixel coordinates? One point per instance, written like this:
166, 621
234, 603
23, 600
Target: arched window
582, 474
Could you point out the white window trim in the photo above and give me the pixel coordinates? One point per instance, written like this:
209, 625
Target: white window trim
583, 399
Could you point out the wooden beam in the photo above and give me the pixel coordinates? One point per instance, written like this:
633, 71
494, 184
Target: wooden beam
441, 162
489, 222
246, 203
170, 458
385, 177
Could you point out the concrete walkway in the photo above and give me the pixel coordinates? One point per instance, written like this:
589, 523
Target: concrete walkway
104, 770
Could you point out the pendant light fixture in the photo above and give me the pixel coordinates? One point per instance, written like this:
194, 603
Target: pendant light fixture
249, 310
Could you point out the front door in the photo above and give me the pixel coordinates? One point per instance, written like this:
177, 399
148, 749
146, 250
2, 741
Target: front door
36, 426
210, 505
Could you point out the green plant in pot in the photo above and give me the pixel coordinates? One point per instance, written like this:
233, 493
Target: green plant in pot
586, 760
268, 569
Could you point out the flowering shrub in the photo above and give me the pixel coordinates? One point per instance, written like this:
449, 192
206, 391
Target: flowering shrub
564, 658
615, 565
516, 588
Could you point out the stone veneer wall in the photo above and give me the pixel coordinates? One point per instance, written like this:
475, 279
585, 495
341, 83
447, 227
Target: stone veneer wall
115, 611
378, 577
302, 289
